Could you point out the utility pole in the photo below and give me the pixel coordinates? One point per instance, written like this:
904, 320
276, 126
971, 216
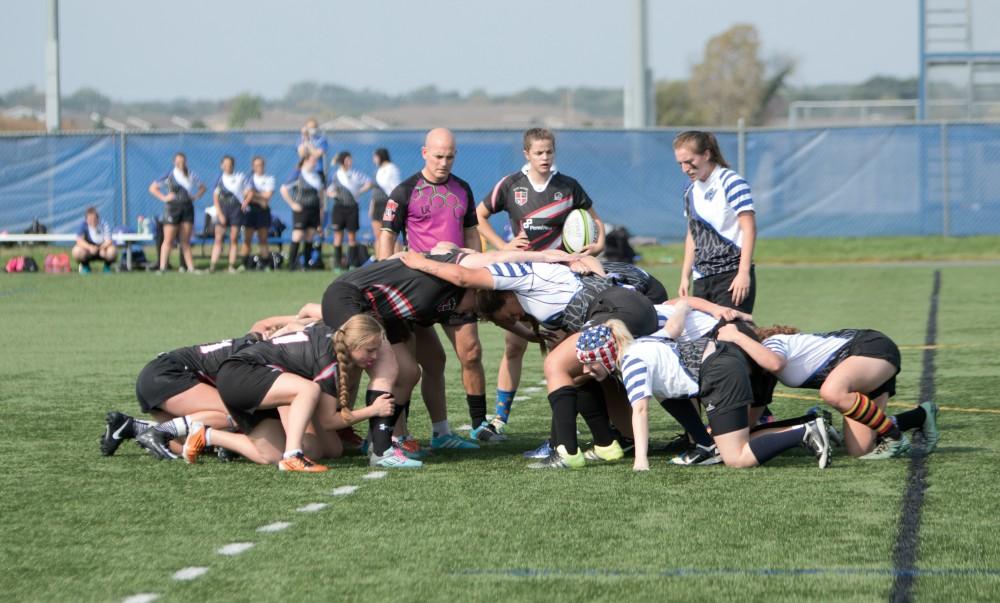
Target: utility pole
637, 105
53, 120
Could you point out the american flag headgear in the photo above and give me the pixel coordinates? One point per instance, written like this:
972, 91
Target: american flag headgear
597, 344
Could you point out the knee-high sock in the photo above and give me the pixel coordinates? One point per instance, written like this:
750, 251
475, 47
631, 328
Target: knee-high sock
477, 408
911, 419
590, 401
770, 445
792, 422
293, 256
682, 410
505, 400
564, 410
380, 428
338, 256
867, 412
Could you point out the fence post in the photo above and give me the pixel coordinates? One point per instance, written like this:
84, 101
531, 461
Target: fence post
741, 146
124, 183
945, 183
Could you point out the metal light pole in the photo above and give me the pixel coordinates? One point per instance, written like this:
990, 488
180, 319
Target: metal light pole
53, 120
637, 105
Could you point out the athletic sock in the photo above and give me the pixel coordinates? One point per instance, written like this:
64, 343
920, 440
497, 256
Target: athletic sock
293, 256
380, 428
175, 428
682, 410
564, 410
910, 419
766, 447
208, 436
590, 401
505, 400
792, 422
338, 256
868, 413
477, 408
85, 264
440, 428
289, 454
107, 263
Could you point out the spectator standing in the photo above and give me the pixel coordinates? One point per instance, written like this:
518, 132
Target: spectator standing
228, 195
303, 193
183, 188
257, 209
387, 179
312, 143
346, 187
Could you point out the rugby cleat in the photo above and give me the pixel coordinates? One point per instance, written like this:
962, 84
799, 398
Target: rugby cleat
930, 427
393, 458
409, 445
561, 459
300, 462
544, 451
157, 444
451, 441
609, 454
698, 456
117, 425
486, 432
225, 455
194, 445
350, 438
888, 448
815, 438
499, 425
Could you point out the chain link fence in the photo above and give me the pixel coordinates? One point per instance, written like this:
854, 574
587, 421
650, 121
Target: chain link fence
913, 179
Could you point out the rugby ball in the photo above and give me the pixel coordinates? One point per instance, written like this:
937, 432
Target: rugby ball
579, 230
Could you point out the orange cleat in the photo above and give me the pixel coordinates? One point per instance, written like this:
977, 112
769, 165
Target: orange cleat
194, 445
300, 462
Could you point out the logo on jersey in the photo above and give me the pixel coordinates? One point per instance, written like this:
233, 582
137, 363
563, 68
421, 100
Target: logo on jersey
557, 196
520, 195
709, 194
390, 211
529, 225
447, 305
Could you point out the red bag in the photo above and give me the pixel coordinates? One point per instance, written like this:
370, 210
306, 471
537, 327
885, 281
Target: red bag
57, 263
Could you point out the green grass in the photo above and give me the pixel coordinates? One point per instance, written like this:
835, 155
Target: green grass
475, 526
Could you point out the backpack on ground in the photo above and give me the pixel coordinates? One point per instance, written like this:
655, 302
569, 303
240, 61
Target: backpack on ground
22, 263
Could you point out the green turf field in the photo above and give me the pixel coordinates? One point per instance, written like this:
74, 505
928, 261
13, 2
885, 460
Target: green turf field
478, 525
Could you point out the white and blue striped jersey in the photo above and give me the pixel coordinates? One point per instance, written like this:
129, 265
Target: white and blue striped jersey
804, 354
235, 184
542, 289
697, 324
711, 208
651, 368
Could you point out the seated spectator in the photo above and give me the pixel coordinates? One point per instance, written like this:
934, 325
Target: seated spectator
93, 242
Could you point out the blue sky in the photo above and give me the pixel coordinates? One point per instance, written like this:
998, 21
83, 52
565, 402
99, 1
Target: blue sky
136, 50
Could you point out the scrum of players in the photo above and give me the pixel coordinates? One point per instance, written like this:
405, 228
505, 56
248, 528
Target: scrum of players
286, 392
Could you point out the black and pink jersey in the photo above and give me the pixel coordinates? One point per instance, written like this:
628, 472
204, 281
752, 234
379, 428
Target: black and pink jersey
429, 212
206, 359
397, 292
307, 353
538, 212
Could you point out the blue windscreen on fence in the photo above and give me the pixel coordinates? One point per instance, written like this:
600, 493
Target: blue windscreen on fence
917, 179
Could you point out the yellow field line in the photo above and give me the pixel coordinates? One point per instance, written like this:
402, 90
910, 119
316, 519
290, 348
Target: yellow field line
990, 411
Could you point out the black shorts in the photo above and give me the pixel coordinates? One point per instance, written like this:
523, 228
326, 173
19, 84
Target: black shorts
242, 386
379, 201
178, 213
343, 300
874, 344
234, 215
162, 379
257, 217
627, 305
345, 217
715, 289
457, 319
309, 217
725, 389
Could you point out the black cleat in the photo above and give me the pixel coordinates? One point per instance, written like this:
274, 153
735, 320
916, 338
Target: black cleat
118, 428
157, 444
226, 456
